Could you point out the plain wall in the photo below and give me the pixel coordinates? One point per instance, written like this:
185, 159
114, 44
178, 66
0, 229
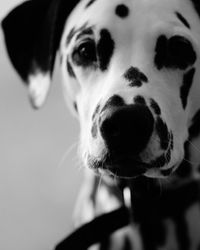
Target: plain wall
38, 187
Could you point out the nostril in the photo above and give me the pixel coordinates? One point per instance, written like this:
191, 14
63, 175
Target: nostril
128, 129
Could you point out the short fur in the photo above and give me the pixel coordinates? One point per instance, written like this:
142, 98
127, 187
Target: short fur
131, 76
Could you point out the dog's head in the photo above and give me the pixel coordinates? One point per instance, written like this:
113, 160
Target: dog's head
130, 72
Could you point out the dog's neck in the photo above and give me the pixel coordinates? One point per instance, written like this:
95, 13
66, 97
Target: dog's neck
152, 201
154, 205
174, 200
162, 198
163, 210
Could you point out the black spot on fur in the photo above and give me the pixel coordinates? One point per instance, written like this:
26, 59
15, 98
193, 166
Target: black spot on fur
105, 49
155, 107
181, 52
174, 53
163, 133
75, 106
94, 130
171, 141
70, 70
96, 112
113, 101
70, 35
139, 100
160, 51
116, 100
135, 77
61, 59
187, 83
183, 20
194, 129
122, 11
90, 3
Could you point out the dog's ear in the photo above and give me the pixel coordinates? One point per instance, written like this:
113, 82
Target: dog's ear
32, 35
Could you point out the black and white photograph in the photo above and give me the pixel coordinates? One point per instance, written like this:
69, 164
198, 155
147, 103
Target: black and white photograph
100, 125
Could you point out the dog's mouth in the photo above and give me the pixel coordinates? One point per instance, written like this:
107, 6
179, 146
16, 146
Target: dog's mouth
132, 142
121, 166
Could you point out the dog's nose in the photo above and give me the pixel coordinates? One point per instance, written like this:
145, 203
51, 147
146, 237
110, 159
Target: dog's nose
128, 129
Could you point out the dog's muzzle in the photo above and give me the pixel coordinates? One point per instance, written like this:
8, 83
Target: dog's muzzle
126, 132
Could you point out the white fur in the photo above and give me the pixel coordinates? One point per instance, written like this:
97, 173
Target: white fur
39, 85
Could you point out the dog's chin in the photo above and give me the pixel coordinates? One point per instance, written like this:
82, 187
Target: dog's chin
122, 167
127, 168
123, 172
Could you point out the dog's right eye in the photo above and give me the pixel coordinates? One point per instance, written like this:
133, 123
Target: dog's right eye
85, 54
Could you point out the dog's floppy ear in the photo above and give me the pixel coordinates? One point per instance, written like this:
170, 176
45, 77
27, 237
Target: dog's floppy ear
32, 35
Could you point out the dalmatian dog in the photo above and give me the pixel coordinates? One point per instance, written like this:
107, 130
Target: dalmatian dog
131, 76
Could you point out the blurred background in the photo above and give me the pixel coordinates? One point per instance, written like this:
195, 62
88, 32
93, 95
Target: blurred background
39, 170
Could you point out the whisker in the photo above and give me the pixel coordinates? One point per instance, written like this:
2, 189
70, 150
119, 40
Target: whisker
194, 146
79, 165
191, 162
66, 154
100, 182
160, 184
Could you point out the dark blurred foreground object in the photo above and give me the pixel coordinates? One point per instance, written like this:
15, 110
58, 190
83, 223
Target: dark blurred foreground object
96, 230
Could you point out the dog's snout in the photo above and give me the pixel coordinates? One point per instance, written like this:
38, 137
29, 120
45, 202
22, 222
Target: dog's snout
128, 129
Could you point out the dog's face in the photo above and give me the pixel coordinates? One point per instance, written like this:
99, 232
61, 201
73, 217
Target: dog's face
129, 69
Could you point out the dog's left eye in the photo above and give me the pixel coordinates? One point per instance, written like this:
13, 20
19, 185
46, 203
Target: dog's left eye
85, 54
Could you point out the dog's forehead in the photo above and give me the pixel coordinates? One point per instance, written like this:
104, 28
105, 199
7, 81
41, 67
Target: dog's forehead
136, 15
103, 12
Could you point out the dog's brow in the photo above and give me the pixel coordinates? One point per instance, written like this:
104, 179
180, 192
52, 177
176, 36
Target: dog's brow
70, 35
74, 31
87, 31
89, 3
183, 20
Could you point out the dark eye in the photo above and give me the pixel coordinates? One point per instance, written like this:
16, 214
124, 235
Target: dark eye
180, 51
85, 54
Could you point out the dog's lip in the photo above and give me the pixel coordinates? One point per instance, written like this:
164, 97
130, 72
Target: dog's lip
124, 172
125, 166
